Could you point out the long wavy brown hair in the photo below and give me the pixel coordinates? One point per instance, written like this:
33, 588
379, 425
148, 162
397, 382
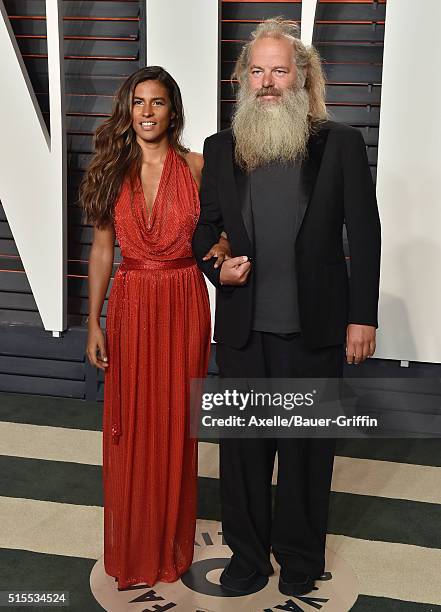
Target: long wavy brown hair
116, 151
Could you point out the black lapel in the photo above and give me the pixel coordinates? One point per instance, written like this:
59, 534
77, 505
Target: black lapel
309, 171
235, 186
243, 193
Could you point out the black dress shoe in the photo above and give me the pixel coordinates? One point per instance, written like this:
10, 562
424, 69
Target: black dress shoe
243, 584
294, 583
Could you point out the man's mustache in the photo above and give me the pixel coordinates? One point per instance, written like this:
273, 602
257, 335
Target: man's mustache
268, 91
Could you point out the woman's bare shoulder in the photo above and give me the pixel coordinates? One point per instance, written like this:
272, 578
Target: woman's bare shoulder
196, 163
195, 159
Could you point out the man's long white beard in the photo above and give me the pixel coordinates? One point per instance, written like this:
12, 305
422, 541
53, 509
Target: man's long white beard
270, 131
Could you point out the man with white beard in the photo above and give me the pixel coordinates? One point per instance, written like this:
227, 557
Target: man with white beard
281, 183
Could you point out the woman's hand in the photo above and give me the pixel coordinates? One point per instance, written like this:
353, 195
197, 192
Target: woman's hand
96, 347
221, 250
99, 273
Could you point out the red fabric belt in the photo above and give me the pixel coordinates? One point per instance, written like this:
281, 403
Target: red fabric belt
129, 263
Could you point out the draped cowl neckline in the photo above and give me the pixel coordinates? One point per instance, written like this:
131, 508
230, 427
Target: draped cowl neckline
166, 233
149, 216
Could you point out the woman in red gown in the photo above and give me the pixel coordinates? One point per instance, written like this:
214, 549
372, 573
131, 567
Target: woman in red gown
142, 187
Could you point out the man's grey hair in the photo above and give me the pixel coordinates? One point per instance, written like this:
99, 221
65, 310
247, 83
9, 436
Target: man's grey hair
307, 60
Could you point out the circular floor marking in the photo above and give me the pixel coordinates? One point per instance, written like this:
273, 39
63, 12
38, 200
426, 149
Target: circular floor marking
199, 589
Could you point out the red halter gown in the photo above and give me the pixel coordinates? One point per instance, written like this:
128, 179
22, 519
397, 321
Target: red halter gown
158, 338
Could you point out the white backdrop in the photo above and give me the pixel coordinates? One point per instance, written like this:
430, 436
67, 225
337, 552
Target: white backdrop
409, 183
33, 170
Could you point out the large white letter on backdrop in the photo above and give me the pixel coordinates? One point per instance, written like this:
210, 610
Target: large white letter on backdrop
308, 19
32, 184
409, 183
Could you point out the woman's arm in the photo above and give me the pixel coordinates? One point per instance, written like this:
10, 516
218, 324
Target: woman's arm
100, 271
221, 249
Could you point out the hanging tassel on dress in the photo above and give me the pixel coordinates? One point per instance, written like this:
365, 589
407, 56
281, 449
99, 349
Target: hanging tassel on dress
116, 400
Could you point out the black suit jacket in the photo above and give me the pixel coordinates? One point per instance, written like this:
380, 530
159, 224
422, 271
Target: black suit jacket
336, 188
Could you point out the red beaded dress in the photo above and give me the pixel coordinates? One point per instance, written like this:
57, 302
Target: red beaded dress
158, 338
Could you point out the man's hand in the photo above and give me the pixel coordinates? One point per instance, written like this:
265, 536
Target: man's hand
221, 250
235, 271
360, 342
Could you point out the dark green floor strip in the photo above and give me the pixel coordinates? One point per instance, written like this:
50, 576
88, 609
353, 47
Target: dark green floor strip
414, 451
23, 570
366, 603
359, 516
56, 481
386, 520
209, 499
52, 411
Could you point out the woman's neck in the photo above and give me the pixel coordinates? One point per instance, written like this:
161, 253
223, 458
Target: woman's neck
154, 152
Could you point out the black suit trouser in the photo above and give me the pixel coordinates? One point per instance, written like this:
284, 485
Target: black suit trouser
296, 527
